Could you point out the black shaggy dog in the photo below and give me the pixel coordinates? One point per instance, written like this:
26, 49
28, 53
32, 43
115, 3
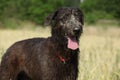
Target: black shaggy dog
52, 58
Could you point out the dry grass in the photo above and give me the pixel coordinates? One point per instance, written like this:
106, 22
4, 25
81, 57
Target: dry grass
100, 50
100, 54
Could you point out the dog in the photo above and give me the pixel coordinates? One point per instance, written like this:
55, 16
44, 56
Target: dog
52, 58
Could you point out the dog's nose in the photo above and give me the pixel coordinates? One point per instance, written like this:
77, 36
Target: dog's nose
76, 29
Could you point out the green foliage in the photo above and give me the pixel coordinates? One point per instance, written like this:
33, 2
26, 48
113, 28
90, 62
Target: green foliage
11, 23
100, 9
37, 10
33, 10
94, 16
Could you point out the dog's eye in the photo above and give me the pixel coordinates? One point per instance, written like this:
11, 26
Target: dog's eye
77, 18
61, 23
76, 14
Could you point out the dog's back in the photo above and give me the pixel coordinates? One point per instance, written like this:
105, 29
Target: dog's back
18, 57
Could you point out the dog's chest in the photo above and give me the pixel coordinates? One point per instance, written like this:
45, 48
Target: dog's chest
59, 71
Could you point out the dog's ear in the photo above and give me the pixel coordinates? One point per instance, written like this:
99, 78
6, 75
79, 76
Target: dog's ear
50, 18
81, 15
82, 19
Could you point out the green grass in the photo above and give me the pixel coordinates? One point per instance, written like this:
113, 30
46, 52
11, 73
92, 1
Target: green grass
100, 50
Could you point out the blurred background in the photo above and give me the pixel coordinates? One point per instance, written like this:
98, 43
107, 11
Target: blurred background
99, 44
12, 12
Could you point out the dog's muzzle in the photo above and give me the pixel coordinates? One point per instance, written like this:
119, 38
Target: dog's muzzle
76, 30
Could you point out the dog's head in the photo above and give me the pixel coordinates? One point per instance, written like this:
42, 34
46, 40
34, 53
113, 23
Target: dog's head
67, 23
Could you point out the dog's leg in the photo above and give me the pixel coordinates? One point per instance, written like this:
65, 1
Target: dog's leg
22, 76
4, 74
8, 68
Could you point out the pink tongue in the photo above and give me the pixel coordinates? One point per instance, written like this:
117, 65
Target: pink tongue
72, 43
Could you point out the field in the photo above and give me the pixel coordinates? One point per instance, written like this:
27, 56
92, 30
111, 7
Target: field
100, 50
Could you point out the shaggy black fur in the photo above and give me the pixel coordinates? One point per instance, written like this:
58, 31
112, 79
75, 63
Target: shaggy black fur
46, 58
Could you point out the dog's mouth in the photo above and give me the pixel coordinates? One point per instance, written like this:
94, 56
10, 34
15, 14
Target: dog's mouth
72, 39
72, 43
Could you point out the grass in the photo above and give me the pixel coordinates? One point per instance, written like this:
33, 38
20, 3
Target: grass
100, 50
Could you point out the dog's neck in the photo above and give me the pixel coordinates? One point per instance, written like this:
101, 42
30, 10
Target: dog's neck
69, 56
59, 41
62, 52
